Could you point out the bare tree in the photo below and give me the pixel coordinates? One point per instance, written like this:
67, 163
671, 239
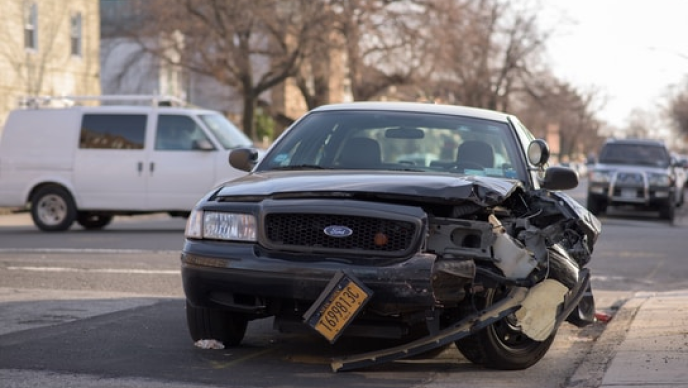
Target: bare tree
549, 102
484, 51
248, 45
384, 42
677, 109
641, 124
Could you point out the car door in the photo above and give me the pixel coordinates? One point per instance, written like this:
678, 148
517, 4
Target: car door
109, 161
182, 163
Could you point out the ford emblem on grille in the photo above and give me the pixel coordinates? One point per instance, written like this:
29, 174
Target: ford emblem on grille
338, 231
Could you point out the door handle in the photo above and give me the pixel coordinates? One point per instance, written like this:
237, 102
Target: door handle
152, 167
139, 167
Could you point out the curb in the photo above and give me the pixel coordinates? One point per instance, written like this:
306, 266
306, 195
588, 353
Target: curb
590, 373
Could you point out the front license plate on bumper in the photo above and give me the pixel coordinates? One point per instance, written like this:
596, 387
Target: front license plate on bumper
629, 193
337, 306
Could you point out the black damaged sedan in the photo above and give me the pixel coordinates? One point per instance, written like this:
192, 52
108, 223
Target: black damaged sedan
433, 224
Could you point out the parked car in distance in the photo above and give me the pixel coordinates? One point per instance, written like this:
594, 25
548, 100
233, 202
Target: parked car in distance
636, 173
90, 163
413, 221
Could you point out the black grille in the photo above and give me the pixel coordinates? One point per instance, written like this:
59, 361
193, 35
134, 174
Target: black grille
630, 179
367, 233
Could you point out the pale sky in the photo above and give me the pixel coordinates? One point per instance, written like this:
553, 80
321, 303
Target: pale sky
631, 50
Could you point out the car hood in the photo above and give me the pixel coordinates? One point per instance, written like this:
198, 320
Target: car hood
438, 188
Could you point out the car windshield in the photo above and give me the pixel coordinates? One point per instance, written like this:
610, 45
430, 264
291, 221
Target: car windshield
225, 132
636, 154
400, 141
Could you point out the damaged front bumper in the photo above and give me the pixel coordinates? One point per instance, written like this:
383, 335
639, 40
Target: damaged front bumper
511, 304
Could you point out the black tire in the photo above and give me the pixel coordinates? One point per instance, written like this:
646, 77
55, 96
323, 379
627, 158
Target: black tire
595, 205
668, 211
502, 345
92, 221
224, 326
53, 209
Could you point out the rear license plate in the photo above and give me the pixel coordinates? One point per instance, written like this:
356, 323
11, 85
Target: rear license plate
340, 302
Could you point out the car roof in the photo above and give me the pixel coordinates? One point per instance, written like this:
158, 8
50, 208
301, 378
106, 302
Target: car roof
418, 107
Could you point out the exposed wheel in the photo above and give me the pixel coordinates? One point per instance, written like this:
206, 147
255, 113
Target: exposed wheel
225, 326
93, 221
53, 209
502, 345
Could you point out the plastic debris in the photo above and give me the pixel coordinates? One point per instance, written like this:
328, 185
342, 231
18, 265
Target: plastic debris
209, 344
602, 317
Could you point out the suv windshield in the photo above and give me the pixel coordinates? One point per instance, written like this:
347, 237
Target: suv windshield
636, 154
225, 132
398, 141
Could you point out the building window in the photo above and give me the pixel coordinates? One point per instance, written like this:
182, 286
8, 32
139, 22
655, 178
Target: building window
31, 26
75, 34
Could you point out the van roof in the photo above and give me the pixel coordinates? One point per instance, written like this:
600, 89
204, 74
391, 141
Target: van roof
123, 108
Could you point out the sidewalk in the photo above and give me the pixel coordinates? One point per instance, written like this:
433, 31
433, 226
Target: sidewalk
644, 345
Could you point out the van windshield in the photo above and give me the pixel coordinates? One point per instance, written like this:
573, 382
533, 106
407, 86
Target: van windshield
225, 132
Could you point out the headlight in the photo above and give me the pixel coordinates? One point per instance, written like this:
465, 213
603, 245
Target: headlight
600, 176
221, 226
659, 180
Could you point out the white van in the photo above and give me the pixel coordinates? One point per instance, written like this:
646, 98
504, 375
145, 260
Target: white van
90, 163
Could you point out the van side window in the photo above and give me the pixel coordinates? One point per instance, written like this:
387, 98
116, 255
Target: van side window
175, 132
113, 131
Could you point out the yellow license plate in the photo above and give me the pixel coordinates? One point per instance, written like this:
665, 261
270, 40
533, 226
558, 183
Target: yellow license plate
337, 306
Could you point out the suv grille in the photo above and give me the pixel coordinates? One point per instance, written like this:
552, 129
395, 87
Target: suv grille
307, 232
630, 179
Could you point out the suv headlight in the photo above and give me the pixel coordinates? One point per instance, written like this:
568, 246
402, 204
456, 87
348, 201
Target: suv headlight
659, 180
600, 176
221, 226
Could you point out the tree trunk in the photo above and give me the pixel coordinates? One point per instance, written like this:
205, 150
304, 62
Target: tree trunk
247, 118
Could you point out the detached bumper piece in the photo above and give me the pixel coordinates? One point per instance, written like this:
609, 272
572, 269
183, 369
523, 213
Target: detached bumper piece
463, 328
445, 336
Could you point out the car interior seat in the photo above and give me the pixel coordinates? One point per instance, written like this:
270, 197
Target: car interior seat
475, 153
360, 152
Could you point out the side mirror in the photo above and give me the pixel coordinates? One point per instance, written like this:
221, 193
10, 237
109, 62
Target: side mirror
243, 158
538, 152
559, 178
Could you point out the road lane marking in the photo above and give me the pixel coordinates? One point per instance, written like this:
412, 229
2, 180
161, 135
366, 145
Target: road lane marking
98, 270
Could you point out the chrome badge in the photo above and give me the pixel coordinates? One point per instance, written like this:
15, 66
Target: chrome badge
338, 231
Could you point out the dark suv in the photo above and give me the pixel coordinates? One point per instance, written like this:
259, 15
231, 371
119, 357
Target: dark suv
431, 224
639, 173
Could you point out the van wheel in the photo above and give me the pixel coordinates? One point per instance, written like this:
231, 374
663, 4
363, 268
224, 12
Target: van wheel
221, 325
53, 209
92, 221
